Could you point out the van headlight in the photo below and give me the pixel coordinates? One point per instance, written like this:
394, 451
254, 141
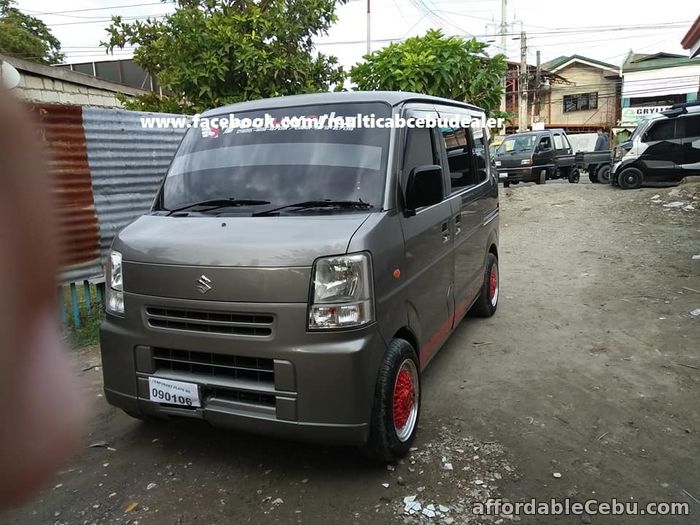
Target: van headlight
498, 163
526, 162
115, 290
341, 292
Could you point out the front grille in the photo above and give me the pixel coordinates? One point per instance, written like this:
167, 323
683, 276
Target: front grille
251, 398
216, 365
247, 324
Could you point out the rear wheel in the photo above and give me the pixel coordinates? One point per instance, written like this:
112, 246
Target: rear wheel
631, 179
574, 176
486, 304
603, 174
396, 404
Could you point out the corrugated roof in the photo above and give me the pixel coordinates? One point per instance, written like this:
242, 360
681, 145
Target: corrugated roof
556, 63
647, 62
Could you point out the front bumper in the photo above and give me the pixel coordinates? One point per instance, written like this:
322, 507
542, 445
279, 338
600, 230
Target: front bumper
288, 383
516, 175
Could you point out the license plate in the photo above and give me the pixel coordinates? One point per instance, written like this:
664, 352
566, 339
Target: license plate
173, 392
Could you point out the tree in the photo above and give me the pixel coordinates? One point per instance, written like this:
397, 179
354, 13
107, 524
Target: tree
450, 67
214, 52
24, 36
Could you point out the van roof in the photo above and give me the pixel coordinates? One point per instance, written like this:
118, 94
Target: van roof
393, 98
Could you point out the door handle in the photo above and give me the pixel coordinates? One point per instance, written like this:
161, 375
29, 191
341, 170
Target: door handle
458, 224
445, 232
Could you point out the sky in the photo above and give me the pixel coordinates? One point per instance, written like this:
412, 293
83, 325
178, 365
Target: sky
601, 29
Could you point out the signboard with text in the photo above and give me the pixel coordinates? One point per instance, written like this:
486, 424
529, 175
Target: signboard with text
633, 116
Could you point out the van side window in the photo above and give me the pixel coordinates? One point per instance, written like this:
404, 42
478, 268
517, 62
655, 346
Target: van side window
459, 158
662, 130
545, 144
419, 150
558, 143
479, 152
689, 126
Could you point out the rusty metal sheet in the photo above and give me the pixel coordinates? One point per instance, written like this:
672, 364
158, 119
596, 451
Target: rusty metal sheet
127, 163
61, 129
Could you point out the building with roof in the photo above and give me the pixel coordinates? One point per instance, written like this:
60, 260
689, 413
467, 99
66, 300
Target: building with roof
53, 85
653, 82
585, 96
691, 41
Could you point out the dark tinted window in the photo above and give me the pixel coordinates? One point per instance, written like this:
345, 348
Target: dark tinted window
419, 150
689, 126
479, 151
661, 130
282, 166
545, 143
459, 157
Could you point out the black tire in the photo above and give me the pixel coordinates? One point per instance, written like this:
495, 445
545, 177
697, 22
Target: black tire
574, 176
593, 177
603, 174
506, 184
543, 177
388, 443
631, 179
487, 303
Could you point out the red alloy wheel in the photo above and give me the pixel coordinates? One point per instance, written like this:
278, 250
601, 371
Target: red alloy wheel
405, 403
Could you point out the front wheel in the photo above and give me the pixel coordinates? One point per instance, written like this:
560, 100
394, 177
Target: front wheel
396, 404
631, 179
543, 177
506, 184
486, 304
574, 176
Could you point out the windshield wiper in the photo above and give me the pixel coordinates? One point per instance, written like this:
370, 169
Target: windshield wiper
215, 204
357, 205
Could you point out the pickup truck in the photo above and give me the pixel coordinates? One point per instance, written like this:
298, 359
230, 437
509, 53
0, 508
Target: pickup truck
536, 156
596, 163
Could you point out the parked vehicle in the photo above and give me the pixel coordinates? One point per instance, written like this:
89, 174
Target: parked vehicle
536, 156
596, 163
296, 282
664, 148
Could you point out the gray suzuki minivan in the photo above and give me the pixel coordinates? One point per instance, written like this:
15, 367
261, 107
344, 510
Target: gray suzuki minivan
296, 281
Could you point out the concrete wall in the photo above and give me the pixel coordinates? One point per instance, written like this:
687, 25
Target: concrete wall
584, 79
34, 88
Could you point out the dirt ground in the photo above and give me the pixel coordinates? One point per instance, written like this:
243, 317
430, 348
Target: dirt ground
584, 385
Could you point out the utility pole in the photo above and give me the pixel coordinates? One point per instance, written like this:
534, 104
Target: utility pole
536, 92
504, 49
369, 41
522, 84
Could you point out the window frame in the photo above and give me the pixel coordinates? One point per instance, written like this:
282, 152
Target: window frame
577, 98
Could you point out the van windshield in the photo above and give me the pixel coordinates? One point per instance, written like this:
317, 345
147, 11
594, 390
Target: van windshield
272, 167
517, 144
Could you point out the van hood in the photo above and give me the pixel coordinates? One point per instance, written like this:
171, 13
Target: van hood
283, 241
512, 159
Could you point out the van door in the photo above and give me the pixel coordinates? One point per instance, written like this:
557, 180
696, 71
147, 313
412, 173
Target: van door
466, 192
661, 150
689, 133
429, 263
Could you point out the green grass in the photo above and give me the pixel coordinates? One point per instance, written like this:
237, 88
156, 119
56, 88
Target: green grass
87, 334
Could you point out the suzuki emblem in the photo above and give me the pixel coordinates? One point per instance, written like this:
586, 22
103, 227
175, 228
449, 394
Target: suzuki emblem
203, 284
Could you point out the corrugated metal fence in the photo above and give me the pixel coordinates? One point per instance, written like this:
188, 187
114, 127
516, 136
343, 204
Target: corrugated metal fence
105, 170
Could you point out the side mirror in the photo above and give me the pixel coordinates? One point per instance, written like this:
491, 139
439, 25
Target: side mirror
538, 148
423, 188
